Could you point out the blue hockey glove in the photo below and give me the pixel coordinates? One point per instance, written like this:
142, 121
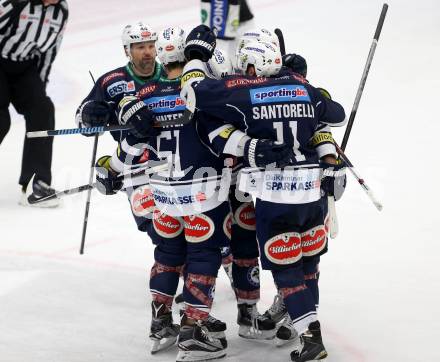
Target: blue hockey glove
200, 43
263, 152
296, 63
94, 114
333, 179
134, 112
107, 182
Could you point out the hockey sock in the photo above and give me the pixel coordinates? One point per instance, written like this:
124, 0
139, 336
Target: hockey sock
298, 299
163, 283
246, 277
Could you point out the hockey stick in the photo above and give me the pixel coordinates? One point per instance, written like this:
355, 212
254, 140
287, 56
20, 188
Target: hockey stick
364, 76
70, 131
137, 174
359, 179
185, 119
280, 36
89, 192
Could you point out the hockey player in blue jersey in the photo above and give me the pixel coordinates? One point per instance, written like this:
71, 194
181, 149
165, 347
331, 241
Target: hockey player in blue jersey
138, 76
272, 116
191, 213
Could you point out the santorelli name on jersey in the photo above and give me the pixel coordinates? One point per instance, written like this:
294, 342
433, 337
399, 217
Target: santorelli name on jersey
277, 94
165, 104
289, 110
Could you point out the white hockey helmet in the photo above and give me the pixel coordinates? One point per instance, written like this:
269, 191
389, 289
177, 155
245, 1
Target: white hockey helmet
220, 65
137, 33
261, 34
265, 57
170, 45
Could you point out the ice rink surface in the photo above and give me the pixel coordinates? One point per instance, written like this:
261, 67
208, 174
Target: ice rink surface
380, 285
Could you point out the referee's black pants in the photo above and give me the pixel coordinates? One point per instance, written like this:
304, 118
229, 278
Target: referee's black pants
20, 84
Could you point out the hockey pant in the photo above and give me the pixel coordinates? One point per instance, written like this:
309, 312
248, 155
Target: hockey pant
21, 85
142, 206
193, 243
244, 248
292, 237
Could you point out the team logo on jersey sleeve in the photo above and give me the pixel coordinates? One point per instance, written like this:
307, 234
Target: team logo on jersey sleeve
284, 248
280, 93
227, 225
198, 228
142, 201
313, 241
167, 226
245, 216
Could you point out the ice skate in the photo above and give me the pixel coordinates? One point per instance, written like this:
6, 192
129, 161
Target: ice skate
36, 191
163, 333
253, 325
277, 311
312, 348
196, 344
214, 326
216, 329
286, 333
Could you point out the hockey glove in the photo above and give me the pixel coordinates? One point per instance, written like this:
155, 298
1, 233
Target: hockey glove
200, 43
333, 179
107, 181
134, 112
93, 114
296, 63
263, 152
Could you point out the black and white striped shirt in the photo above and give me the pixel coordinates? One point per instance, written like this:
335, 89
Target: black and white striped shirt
28, 29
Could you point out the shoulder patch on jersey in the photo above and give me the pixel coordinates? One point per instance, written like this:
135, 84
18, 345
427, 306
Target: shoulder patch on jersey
120, 87
242, 82
191, 75
111, 76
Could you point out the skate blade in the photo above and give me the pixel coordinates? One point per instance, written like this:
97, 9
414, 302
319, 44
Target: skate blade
283, 342
49, 204
164, 343
252, 333
199, 356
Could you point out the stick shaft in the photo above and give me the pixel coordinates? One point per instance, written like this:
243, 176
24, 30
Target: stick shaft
364, 76
89, 194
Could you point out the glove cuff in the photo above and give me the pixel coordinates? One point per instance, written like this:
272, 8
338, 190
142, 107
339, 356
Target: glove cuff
251, 149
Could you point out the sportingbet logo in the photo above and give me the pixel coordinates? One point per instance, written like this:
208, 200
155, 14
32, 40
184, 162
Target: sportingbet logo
165, 104
287, 93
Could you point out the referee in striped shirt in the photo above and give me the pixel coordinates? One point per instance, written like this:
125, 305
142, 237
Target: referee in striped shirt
30, 36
